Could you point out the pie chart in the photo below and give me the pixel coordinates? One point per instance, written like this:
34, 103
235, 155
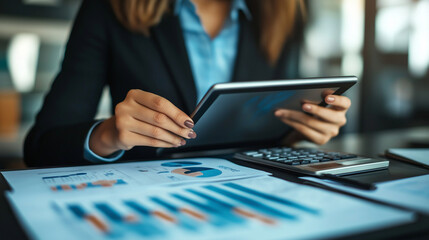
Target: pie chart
200, 172
180, 164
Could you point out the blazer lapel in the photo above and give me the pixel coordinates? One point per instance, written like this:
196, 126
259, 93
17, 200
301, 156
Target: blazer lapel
250, 64
169, 40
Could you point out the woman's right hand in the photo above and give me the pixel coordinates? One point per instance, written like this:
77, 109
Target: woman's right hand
142, 119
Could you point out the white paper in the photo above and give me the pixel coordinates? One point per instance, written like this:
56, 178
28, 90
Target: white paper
419, 155
309, 213
114, 177
411, 193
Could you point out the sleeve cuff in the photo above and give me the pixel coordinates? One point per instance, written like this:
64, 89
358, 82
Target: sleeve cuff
89, 155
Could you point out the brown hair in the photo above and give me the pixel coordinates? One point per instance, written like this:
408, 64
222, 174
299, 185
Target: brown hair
275, 19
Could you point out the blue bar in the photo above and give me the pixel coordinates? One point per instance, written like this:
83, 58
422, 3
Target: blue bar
195, 203
184, 221
137, 207
120, 181
77, 210
212, 199
251, 203
272, 198
111, 213
220, 212
218, 218
89, 185
165, 204
223, 205
69, 175
148, 226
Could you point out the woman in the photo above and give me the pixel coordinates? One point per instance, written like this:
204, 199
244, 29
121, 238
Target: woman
159, 57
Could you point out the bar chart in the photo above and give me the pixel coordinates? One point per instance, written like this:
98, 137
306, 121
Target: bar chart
225, 207
83, 180
180, 164
147, 200
81, 186
200, 172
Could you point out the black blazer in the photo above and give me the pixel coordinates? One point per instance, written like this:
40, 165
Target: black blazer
101, 52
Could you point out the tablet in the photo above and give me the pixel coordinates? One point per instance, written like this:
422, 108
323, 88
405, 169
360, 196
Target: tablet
241, 114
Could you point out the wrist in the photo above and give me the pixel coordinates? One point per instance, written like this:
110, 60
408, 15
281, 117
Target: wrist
103, 138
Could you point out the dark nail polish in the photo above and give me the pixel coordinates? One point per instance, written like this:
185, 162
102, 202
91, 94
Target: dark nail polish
189, 124
307, 107
192, 134
182, 142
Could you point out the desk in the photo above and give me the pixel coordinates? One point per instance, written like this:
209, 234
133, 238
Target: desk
365, 144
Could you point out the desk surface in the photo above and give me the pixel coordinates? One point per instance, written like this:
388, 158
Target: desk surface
366, 144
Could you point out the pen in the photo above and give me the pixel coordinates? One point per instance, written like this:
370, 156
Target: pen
348, 182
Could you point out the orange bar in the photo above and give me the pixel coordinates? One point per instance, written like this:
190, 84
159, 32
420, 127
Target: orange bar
105, 183
66, 187
248, 214
81, 186
194, 214
131, 218
54, 188
100, 225
164, 216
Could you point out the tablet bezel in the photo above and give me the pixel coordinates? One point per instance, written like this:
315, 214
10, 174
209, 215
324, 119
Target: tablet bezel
342, 83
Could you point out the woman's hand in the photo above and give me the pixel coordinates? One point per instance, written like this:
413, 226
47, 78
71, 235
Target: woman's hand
324, 123
142, 119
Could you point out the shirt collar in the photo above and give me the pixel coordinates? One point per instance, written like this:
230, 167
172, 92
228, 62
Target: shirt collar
236, 6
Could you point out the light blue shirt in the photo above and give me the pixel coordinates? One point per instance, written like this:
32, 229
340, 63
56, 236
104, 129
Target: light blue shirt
211, 60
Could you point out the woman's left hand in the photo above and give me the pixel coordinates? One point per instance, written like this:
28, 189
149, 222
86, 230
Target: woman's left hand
324, 123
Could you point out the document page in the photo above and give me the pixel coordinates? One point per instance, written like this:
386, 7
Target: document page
412, 192
200, 198
114, 177
253, 208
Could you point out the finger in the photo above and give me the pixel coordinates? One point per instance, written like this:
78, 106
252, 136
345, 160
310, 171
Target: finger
327, 114
130, 139
155, 132
162, 105
309, 121
304, 101
310, 134
324, 94
327, 92
161, 120
339, 102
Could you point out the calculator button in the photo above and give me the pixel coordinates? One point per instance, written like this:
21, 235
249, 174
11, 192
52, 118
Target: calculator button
250, 153
271, 158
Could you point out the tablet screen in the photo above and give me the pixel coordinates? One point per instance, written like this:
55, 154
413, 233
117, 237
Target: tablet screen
249, 116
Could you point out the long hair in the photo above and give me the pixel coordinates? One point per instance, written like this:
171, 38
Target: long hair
275, 19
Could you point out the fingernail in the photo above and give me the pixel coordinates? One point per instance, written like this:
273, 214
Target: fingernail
189, 124
277, 113
330, 99
182, 142
192, 134
307, 107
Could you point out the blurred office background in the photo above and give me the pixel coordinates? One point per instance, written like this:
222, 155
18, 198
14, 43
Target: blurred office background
383, 42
